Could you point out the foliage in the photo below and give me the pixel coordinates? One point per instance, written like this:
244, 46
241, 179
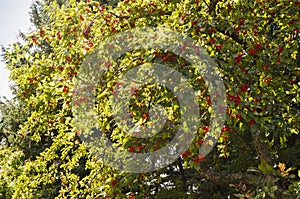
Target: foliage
256, 46
10, 169
39, 16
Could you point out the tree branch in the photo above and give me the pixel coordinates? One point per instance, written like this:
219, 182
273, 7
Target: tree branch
88, 28
262, 149
264, 152
233, 36
156, 187
206, 3
120, 17
212, 5
226, 179
181, 171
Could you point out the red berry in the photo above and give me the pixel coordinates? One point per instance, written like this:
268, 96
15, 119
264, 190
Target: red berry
278, 60
238, 59
208, 99
258, 44
291, 21
252, 122
42, 32
199, 141
205, 128
242, 20
225, 129
68, 59
81, 18
252, 52
219, 46
244, 88
114, 183
107, 64
211, 30
91, 44
267, 80
185, 154
239, 116
280, 49
141, 147
199, 158
58, 35
65, 90
131, 149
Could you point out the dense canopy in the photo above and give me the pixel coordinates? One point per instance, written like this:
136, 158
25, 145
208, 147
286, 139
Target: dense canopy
255, 45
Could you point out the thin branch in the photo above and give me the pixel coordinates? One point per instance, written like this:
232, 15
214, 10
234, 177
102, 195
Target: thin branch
181, 171
233, 36
206, 3
262, 149
213, 5
264, 152
120, 17
88, 28
221, 178
156, 186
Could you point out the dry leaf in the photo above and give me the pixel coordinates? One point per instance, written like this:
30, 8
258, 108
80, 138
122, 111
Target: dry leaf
281, 167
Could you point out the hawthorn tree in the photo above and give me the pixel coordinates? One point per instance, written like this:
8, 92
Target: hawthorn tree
39, 16
256, 47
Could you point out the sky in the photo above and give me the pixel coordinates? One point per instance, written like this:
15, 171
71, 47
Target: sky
14, 16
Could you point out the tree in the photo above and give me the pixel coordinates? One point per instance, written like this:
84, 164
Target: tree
255, 45
38, 14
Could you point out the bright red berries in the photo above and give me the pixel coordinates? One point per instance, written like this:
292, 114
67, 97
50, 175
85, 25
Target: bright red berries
252, 51
114, 183
199, 158
238, 59
239, 116
244, 88
252, 122
225, 129
235, 99
185, 154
